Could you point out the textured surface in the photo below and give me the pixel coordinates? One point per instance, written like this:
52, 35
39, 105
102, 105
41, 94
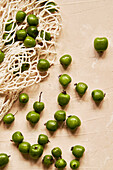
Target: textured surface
82, 22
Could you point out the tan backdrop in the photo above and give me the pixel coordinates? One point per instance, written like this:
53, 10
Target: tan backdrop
83, 20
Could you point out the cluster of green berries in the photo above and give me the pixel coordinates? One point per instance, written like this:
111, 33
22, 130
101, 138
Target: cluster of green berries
34, 116
77, 151
97, 95
81, 87
38, 106
32, 31
72, 122
49, 160
36, 150
28, 36
33, 21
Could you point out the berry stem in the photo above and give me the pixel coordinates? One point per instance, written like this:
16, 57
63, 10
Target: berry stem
69, 115
72, 148
15, 113
63, 124
17, 145
40, 96
59, 76
64, 92
9, 156
75, 84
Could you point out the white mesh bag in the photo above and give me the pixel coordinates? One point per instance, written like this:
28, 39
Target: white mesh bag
12, 79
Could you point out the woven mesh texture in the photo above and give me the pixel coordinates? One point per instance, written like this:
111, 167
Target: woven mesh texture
12, 79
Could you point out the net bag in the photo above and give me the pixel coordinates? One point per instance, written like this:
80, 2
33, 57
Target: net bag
12, 78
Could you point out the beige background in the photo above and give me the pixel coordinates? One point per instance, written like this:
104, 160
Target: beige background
83, 20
